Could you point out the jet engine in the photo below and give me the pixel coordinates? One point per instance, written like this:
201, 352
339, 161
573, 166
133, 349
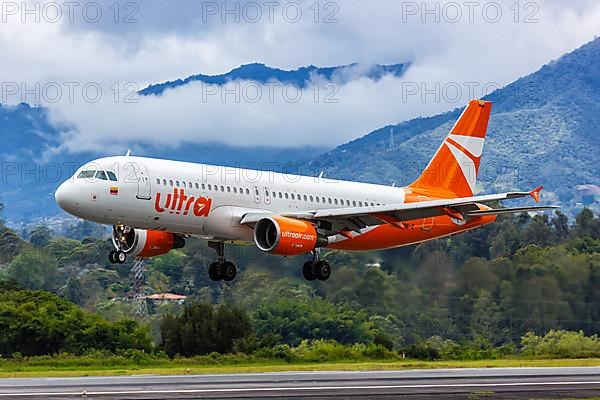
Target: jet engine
145, 243
287, 236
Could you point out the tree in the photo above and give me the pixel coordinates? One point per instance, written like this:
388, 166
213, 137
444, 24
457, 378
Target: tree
561, 225
34, 270
203, 329
486, 321
39, 323
73, 291
587, 225
85, 229
539, 231
10, 245
40, 236
292, 321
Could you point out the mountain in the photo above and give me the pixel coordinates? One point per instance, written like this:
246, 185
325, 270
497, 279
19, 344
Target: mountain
31, 170
299, 77
544, 129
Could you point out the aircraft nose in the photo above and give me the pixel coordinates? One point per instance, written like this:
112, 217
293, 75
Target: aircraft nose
65, 197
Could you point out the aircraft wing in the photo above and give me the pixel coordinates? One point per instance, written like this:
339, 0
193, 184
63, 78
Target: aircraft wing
355, 218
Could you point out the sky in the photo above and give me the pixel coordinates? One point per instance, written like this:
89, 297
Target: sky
84, 61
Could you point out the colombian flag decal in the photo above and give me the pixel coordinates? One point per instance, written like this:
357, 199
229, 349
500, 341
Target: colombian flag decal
114, 190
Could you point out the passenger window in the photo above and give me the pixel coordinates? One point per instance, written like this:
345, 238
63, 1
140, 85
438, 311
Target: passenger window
101, 175
164, 182
329, 200
228, 189
335, 201
209, 186
197, 186
157, 181
311, 199
177, 183
170, 182
111, 176
247, 191
317, 198
280, 195
306, 198
234, 190
287, 196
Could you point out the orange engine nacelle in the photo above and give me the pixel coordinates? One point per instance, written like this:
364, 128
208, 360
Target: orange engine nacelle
143, 243
287, 236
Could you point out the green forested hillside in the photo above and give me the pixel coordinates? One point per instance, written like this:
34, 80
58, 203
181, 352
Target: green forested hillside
543, 130
488, 287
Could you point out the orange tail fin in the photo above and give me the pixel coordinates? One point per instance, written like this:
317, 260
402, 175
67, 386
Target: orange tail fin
452, 172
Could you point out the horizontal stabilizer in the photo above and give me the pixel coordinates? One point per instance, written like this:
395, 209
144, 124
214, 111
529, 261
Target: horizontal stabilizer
500, 211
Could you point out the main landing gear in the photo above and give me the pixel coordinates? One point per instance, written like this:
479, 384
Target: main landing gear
316, 269
221, 270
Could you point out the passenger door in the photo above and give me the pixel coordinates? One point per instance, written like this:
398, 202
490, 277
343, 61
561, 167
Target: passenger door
137, 172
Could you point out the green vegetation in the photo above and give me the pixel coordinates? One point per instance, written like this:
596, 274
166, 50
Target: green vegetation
65, 365
38, 323
523, 288
204, 329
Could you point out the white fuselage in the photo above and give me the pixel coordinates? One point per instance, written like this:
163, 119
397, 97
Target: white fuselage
138, 196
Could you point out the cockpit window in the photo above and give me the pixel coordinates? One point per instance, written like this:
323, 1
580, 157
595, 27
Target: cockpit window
101, 175
111, 176
86, 174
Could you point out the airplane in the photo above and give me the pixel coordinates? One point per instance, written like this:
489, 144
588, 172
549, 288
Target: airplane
155, 204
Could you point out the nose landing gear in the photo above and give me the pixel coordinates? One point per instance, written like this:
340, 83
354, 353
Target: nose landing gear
221, 270
117, 257
316, 269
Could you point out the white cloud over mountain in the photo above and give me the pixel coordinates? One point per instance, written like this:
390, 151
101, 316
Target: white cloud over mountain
452, 46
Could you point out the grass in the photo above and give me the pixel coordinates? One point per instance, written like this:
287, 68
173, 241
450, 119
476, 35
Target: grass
16, 369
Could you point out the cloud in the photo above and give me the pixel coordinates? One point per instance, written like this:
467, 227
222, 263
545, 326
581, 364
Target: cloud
451, 49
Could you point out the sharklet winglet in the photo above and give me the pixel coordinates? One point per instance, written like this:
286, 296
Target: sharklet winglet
535, 193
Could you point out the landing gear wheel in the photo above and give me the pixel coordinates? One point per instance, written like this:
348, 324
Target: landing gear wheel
214, 271
228, 271
308, 271
120, 257
111, 257
322, 270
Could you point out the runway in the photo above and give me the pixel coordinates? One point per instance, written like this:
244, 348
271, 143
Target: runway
492, 383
